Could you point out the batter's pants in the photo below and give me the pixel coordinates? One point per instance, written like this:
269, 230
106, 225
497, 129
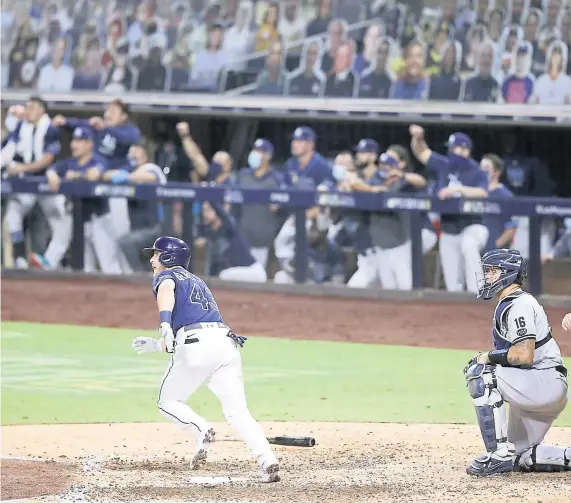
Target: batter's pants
207, 356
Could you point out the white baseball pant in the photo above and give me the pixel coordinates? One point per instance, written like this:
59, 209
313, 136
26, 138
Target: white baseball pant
254, 273
393, 267
460, 257
59, 220
547, 236
101, 246
119, 210
429, 240
212, 359
261, 255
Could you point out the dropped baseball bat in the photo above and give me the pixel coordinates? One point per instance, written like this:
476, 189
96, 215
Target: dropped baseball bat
284, 440
293, 441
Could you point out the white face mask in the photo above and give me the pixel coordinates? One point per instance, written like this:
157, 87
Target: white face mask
339, 172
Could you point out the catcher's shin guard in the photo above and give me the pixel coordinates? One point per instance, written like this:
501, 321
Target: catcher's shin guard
490, 409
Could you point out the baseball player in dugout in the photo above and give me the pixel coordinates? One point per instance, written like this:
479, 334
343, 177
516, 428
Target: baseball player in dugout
30, 149
259, 222
501, 228
145, 216
114, 134
389, 230
100, 247
463, 236
217, 171
230, 254
306, 168
525, 369
203, 350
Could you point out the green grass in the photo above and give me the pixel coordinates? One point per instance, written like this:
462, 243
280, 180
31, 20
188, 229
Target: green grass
68, 374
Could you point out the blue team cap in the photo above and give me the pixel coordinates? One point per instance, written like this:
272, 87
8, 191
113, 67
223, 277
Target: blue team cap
388, 160
522, 49
264, 145
367, 145
82, 133
459, 140
304, 133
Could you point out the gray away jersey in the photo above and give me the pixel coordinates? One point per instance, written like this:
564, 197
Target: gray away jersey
519, 317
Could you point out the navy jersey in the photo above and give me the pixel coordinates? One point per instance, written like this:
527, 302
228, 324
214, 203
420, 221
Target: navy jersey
91, 205
318, 171
375, 85
454, 171
497, 224
112, 142
300, 84
445, 86
29, 148
483, 89
527, 176
193, 300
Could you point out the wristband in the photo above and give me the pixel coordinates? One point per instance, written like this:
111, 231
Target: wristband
166, 317
499, 357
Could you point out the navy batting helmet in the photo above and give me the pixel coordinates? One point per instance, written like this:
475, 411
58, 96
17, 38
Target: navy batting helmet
512, 268
172, 251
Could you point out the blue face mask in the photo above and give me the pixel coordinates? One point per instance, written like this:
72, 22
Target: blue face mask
254, 159
339, 172
457, 160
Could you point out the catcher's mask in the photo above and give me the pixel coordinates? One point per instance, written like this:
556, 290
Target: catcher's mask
501, 268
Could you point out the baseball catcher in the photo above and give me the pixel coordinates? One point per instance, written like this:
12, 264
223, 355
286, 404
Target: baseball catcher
525, 369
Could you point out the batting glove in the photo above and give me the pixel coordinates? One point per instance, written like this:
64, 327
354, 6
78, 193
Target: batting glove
238, 339
147, 345
168, 336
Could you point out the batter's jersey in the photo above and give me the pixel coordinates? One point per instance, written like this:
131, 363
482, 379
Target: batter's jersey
194, 302
518, 317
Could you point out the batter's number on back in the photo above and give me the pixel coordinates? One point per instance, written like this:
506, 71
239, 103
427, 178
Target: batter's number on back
197, 297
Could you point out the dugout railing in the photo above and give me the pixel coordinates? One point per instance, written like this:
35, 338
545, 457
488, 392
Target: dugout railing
298, 201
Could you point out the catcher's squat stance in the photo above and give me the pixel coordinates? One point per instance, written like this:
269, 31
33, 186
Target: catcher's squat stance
525, 370
203, 351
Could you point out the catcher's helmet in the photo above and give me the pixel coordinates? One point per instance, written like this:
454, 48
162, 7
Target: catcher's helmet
512, 266
173, 251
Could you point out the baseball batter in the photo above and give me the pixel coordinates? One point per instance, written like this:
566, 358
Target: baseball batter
525, 369
203, 350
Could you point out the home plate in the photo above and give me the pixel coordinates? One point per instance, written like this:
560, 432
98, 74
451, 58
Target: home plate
214, 481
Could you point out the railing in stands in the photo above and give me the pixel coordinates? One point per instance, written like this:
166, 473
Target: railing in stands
324, 37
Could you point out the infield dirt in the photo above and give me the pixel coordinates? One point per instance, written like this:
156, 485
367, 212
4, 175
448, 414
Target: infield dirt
363, 461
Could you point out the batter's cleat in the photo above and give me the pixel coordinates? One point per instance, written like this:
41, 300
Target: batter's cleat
270, 472
487, 465
21, 263
204, 441
38, 261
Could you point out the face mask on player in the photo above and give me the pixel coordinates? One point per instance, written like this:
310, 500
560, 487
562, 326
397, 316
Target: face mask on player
254, 159
339, 172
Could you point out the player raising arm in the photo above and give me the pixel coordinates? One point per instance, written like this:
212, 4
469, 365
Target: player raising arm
525, 369
203, 351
